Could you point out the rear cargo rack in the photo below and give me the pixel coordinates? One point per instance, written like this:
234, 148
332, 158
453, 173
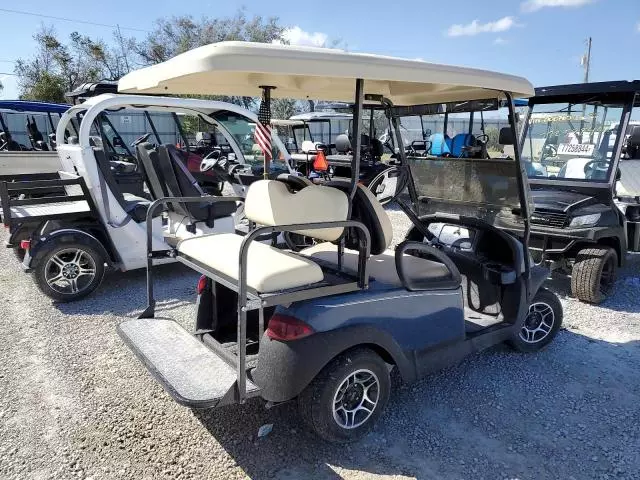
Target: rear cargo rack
240, 387
16, 210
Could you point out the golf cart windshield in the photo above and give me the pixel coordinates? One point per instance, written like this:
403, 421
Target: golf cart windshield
571, 141
457, 161
242, 130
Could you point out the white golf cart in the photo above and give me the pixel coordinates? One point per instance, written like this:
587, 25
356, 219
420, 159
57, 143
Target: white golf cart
69, 239
325, 325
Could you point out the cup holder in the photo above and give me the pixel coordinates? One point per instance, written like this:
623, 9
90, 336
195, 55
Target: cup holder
499, 274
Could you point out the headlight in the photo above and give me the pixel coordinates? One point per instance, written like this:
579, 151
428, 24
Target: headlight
585, 220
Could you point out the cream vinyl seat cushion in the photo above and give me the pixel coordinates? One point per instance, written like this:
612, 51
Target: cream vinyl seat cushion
381, 267
268, 269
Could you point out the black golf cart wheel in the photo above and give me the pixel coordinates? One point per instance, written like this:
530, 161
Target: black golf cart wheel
541, 325
19, 253
387, 185
594, 273
69, 271
347, 397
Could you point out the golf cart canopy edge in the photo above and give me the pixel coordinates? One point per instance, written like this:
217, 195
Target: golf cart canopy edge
241, 68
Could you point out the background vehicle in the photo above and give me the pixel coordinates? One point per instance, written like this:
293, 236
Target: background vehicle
27, 139
100, 219
325, 325
585, 190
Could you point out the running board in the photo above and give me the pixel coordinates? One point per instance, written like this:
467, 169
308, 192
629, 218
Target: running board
185, 367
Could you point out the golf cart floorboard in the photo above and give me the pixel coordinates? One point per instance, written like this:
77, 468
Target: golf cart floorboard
476, 321
187, 369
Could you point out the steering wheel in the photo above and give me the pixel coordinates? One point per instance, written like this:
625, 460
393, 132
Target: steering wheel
140, 140
591, 167
212, 160
549, 150
482, 138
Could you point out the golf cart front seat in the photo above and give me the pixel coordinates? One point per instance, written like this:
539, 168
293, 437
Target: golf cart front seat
382, 265
136, 207
270, 203
169, 177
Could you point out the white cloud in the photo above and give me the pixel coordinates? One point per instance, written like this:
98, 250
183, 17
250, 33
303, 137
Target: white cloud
475, 27
499, 41
535, 5
297, 36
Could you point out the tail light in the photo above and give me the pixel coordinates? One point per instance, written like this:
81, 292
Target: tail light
202, 284
25, 244
286, 328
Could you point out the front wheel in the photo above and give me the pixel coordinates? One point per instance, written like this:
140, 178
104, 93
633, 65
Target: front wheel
68, 272
347, 397
543, 321
594, 273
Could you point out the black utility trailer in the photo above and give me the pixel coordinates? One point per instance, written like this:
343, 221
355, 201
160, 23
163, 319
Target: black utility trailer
582, 154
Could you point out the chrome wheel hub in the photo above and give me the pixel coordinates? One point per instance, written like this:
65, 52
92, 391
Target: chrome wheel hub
356, 399
70, 271
538, 324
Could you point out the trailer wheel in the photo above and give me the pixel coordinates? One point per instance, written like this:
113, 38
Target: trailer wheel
594, 273
541, 325
69, 271
347, 397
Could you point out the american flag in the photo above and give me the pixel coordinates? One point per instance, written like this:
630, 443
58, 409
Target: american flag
263, 130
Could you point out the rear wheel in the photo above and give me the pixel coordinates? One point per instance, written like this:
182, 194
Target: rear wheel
594, 273
541, 325
68, 272
347, 397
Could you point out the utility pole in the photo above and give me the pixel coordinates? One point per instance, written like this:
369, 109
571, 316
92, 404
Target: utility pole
586, 61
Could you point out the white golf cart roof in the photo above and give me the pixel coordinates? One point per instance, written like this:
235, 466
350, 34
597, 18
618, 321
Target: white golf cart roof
241, 68
311, 116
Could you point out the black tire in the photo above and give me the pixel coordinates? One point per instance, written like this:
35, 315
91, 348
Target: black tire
594, 273
48, 269
542, 324
316, 402
19, 253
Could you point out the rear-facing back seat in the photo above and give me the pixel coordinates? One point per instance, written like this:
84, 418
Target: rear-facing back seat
269, 202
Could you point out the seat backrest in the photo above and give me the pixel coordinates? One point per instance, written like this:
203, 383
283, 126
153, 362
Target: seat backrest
308, 146
148, 158
459, 142
269, 202
343, 144
366, 209
439, 144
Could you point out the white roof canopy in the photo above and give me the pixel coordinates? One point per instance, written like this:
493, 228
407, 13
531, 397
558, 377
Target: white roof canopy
240, 68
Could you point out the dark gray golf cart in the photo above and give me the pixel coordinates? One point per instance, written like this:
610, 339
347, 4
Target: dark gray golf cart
325, 325
582, 154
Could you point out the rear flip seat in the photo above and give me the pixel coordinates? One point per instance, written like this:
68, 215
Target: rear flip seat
270, 203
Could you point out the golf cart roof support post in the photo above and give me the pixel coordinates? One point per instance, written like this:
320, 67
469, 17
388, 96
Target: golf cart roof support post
424, 135
4, 125
51, 121
471, 122
404, 165
181, 131
620, 137
446, 122
153, 127
523, 191
266, 101
357, 129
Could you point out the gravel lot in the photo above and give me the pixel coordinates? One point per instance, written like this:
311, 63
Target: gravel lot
75, 403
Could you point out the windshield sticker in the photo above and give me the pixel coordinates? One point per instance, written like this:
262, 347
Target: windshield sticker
582, 150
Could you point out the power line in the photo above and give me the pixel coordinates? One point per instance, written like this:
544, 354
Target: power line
20, 12
7, 73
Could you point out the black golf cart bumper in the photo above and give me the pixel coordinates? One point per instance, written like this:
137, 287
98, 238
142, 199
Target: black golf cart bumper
549, 244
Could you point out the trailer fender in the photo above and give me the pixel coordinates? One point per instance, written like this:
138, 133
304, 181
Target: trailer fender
538, 275
286, 368
67, 235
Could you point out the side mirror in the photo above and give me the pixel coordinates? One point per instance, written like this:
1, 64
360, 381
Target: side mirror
506, 136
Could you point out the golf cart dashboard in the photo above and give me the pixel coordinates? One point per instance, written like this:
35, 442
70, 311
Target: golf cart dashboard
475, 249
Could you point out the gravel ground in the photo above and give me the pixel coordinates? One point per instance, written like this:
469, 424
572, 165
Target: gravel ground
75, 403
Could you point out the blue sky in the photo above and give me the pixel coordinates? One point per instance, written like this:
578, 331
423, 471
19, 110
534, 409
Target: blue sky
541, 40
